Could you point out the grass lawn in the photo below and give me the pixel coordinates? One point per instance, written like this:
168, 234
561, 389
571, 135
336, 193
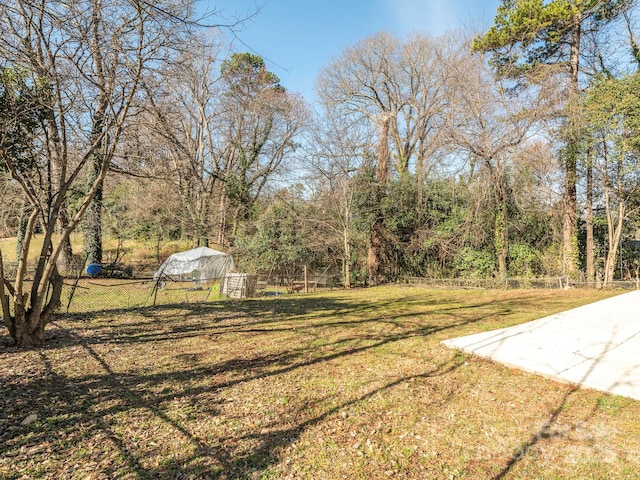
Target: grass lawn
349, 384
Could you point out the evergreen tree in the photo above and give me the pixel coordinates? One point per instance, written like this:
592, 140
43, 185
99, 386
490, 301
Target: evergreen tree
528, 34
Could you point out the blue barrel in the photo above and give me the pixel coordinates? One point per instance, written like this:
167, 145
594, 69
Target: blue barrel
94, 269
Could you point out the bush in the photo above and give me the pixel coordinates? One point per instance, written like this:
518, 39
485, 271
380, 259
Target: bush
474, 263
524, 260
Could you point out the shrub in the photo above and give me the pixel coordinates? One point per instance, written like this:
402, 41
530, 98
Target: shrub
474, 263
524, 260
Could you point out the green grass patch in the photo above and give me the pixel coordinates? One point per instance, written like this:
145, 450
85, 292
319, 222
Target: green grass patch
351, 384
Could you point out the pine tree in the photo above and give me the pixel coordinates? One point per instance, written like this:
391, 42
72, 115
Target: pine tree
529, 34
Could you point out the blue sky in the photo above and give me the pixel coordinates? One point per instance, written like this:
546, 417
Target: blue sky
298, 37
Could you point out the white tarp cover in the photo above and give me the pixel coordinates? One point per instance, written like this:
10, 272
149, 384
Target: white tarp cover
208, 262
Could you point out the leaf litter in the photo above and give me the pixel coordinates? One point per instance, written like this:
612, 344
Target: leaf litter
330, 385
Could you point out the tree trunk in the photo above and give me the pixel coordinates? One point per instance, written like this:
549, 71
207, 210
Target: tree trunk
501, 228
28, 322
590, 251
58, 178
612, 254
222, 220
203, 220
4, 300
346, 258
501, 238
93, 218
28, 329
203, 241
66, 256
614, 229
569, 206
376, 238
569, 202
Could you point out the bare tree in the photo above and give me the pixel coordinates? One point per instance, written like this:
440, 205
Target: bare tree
338, 150
489, 123
85, 61
181, 124
398, 88
417, 133
258, 127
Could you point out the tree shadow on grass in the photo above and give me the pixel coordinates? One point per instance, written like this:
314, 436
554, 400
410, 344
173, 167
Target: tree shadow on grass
550, 429
148, 324
71, 411
87, 407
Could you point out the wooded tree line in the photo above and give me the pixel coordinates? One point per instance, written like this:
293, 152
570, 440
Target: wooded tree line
510, 152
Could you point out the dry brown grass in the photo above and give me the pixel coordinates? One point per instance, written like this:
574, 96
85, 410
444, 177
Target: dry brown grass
333, 385
129, 251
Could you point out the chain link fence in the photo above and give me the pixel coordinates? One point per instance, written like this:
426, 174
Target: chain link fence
94, 294
100, 294
515, 283
85, 294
